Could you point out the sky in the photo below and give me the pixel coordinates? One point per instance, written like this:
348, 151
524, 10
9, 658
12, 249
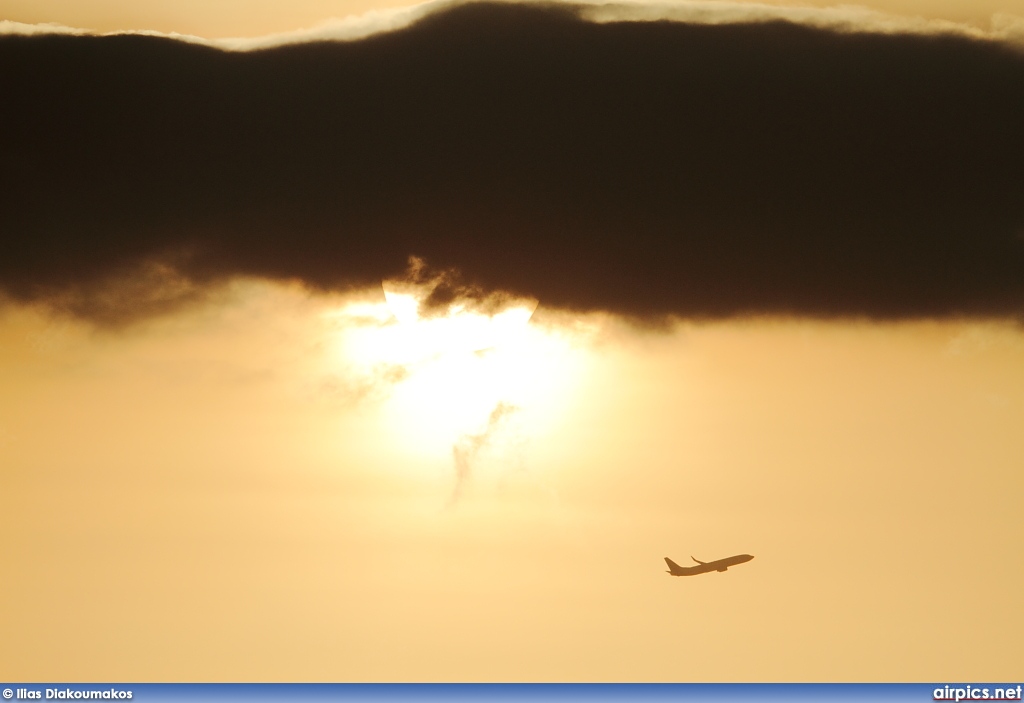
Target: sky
239, 18
340, 342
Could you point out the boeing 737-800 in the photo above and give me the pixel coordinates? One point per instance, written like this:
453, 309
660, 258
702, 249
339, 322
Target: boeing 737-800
704, 567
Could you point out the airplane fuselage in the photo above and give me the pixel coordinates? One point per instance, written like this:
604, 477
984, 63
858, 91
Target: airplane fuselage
705, 567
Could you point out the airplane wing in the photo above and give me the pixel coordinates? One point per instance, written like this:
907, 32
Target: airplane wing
698, 560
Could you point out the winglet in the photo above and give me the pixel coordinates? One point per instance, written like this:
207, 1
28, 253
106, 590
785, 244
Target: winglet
696, 560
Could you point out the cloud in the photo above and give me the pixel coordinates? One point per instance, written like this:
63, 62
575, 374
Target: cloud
645, 168
356, 386
466, 449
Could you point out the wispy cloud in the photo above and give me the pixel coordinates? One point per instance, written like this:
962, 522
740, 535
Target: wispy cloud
469, 446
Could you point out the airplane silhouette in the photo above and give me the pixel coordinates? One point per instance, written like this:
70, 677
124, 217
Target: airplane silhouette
704, 567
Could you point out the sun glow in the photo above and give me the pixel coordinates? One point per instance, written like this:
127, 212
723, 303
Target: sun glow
461, 380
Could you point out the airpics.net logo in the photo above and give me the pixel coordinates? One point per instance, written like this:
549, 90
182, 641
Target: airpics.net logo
977, 693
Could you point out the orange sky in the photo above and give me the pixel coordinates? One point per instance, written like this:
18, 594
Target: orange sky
226, 495
246, 18
256, 489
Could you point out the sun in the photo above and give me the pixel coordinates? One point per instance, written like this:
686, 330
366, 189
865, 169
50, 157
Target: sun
462, 372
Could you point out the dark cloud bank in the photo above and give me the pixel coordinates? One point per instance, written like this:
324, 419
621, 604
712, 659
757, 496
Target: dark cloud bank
642, 168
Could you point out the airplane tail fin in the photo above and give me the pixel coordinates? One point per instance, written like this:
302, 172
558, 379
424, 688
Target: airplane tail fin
697, 560
673, 567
